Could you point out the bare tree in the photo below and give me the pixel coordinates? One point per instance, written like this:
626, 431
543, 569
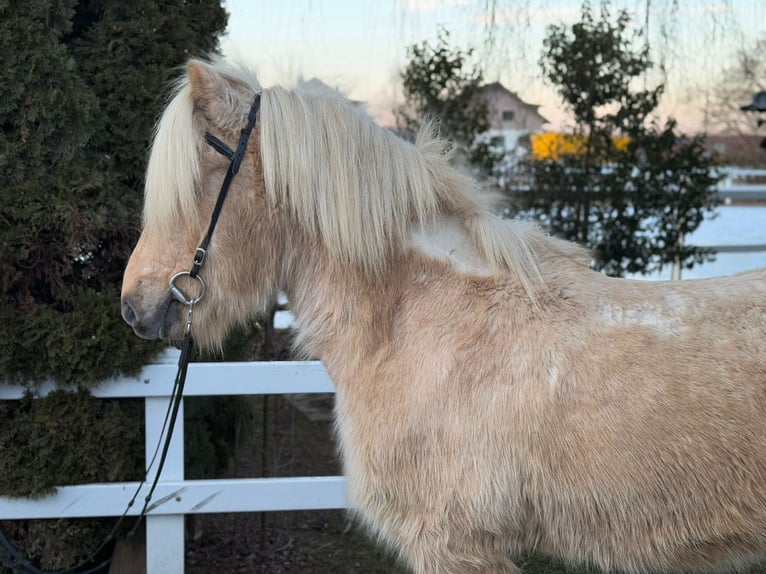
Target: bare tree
738, 82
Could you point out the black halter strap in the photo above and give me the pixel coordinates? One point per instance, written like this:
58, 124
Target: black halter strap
236, 157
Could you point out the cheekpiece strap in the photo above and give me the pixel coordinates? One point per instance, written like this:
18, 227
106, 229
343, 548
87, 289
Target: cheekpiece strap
236, 157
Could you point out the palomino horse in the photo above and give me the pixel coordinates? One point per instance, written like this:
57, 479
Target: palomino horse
495, 396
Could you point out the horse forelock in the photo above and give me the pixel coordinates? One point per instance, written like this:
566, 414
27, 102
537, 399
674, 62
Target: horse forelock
173, 172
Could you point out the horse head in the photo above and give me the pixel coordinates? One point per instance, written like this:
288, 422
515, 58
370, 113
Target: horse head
184, 176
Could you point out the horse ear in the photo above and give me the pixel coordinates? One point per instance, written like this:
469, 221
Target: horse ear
209, 89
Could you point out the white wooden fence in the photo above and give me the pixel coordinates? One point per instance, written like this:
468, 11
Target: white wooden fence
737, 185
174, 497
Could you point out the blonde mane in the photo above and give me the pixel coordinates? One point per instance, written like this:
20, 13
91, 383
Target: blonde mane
357, 186
362, 189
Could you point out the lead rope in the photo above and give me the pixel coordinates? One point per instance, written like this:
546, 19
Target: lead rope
17, 562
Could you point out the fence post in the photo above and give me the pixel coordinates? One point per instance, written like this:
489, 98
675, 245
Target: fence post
165, 546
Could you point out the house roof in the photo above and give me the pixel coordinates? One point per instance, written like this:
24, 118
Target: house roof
316, 85
498, 87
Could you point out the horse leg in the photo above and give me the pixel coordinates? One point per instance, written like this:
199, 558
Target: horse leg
436, 555
452, 564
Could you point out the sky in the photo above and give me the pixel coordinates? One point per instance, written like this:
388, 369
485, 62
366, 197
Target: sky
360, 46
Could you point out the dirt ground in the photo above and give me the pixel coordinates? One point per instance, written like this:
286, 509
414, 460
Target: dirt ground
319, 542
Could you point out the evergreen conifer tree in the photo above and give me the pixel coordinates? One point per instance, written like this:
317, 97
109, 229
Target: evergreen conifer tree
80, 89
81, 85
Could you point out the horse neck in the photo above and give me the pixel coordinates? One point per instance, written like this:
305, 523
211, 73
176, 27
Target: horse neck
339, 308
345, 314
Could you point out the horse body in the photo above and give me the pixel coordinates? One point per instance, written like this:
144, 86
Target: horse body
494, 395
610, 426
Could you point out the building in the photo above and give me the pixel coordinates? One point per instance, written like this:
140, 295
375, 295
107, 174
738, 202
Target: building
509, 116
317, 86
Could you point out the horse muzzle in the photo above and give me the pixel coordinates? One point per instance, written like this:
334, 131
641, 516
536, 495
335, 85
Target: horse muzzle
153, 320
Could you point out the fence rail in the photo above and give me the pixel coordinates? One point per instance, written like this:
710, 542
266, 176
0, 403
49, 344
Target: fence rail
736, 184
174, 496
749, 248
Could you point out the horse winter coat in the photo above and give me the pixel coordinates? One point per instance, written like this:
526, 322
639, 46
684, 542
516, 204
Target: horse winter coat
495, 396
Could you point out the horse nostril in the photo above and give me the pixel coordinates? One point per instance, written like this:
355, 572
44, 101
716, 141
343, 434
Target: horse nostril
128, 314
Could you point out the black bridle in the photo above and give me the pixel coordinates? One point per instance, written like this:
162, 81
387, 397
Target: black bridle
235, 156
16, 561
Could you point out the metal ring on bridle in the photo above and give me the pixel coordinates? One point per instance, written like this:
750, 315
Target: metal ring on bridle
179, 296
